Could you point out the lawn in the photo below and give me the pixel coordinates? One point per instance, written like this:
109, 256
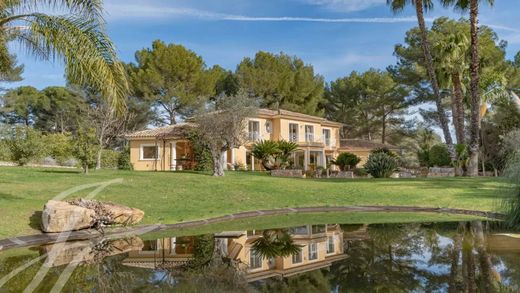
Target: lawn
169, 197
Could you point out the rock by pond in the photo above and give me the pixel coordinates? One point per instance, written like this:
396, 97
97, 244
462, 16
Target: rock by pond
62, 216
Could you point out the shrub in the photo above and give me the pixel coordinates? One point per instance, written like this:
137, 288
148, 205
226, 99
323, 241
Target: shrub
201, 153
59, 147
384, 150
346, 161
381, 165
85, 148
109, 159
25, 144
123, 162
439, 156
360, 172
5, 152
512, 204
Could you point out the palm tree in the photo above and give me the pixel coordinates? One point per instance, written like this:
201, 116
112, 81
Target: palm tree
265, 151
276, 242
420, 7
473, 7
451, 45
78, 38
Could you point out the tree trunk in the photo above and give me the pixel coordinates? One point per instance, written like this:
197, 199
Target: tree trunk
383, 134
98, 159
475, 92
455, 255
218, 159
458, 108
443, 120
85, 169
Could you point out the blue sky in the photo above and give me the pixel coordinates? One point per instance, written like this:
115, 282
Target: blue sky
335, 36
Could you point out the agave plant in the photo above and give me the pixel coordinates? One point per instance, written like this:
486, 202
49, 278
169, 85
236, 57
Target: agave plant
381, 165
77, 37
275, 243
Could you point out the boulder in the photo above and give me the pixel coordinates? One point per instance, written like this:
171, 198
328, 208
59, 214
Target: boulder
121, 214
60, 216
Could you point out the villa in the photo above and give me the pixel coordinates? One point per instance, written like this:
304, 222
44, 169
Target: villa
168, 148
321, 245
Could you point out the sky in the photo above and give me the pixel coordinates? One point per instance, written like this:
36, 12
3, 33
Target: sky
335, 36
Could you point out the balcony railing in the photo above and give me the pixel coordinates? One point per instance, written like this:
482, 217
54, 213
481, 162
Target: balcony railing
254, 136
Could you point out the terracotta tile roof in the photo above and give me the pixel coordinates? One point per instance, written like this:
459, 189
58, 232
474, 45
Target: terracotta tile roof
170, 131
291, 114
364, 144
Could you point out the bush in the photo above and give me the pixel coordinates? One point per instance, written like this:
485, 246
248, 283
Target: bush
5, 152
385, 151
123, 162
59, 147
439, 156
201, 153
512, 204
346, 161
25, 144
85, 148
381, 165
360, 172
109, 159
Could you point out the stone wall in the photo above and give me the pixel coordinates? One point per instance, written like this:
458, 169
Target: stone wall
287, 173
342, 174
441, 172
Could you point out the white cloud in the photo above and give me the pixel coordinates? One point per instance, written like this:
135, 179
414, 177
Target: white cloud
346, 5
118, 11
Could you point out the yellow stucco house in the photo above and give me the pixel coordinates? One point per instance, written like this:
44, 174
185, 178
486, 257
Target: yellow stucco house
167, 148
321, 245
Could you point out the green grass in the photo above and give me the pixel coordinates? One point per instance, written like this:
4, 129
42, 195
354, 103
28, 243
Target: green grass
169, 197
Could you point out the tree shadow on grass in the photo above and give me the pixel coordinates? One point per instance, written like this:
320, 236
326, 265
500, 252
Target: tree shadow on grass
35, 220
6, 196
62, 171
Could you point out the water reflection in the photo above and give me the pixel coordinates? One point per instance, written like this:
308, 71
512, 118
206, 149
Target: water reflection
450, 257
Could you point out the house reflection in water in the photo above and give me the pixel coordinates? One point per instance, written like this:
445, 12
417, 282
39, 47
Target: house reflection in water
320, 246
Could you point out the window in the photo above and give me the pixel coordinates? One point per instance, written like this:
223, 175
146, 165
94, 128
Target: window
254, 130
301, 230
255, 261
268, 126
293, 132
326, 137
330, 245
298, 257
149, 152
318, 229
309, 133
313, 251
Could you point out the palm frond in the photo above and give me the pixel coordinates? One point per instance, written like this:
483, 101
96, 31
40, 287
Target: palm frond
89, 56
89, 9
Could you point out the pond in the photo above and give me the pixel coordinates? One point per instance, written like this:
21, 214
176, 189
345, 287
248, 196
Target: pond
423, 257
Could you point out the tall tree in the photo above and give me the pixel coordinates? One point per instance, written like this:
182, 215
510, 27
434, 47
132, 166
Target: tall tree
450, 49
420, 7
369, 103
19, 105
282, 82
63, 112
174, 78
474, 140
78, 37
221, 127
